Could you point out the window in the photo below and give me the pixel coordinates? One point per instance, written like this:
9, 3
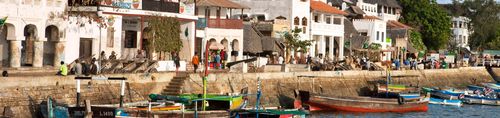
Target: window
459, 24
303, 0
304, 30
316, 18
110, 36
296, 21
337, 21
382, 37
304, 21
377, 35
130, 39
328, 19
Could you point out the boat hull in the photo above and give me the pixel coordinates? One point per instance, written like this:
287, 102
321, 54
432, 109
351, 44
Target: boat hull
445, 102
363, 104
481, 100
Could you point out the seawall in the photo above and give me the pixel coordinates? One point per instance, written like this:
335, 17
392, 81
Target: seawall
24, 94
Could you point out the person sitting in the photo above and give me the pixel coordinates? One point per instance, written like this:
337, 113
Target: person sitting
5, 74
63, 70
78, 69
112, 56
102, 56
94, 69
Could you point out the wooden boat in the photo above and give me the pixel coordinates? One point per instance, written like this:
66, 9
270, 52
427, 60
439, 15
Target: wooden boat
218, 102
360, 104
51, 109
445, 102
268, 113
449, 94
393, 90
474, 99
474, 88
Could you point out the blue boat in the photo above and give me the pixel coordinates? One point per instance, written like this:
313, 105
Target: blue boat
474, 99
449, 94
474, 88
445, 102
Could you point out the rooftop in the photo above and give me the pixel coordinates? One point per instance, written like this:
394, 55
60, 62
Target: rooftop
323, 7
221, 3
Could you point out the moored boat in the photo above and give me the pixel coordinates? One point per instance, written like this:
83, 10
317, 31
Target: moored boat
268, 113
445, 102
394, 90
473, 99
360, 104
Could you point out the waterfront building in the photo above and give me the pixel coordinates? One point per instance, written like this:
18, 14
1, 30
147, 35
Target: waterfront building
461, 29
43, 32
327, 30
33, 35
216, 25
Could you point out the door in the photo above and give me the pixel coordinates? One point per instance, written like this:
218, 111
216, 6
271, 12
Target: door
85, 47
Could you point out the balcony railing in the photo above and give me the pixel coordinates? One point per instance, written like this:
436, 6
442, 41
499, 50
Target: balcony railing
220, 23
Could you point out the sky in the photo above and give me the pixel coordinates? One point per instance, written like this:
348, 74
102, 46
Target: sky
449, 1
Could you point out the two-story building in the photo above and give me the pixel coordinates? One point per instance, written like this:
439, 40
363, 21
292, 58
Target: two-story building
215, 25
295, 12
327, 30
461, 31
119, 26
33, 35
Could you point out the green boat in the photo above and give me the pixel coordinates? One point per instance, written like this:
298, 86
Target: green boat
269, 113
217, 102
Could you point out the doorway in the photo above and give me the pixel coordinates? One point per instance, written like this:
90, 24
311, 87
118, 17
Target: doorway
85, 48
27, 46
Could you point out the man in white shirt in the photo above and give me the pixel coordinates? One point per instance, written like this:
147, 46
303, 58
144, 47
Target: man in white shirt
280, 60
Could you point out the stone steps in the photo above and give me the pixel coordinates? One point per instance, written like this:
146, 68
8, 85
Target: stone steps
175, 85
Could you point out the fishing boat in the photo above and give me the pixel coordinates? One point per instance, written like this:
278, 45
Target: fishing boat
474, 99
445, 102
51, 109
268, 113
479, 88
217, 102
394, 90
360, 104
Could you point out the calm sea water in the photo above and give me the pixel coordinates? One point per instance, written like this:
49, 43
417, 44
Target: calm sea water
435, 111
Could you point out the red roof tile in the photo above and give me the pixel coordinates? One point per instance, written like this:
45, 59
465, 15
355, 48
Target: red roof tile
323, 7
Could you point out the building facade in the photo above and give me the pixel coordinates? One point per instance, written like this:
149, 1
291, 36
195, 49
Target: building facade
33, 35
215, 25
327, 31
461, 31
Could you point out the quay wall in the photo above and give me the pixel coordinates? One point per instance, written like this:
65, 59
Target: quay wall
23, 94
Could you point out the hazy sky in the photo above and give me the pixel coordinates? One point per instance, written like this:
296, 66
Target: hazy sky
449, 1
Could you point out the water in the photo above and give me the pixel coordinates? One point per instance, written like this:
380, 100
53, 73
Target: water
435, 111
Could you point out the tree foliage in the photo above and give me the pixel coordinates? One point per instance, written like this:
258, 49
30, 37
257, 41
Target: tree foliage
165, 33
485, 20
293, 42
416, 40
428, 18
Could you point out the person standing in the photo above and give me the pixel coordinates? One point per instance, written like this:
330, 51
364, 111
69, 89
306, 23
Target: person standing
176, 62
217, 60
195, 61
280, 60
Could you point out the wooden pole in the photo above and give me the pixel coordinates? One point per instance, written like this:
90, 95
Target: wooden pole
88, 110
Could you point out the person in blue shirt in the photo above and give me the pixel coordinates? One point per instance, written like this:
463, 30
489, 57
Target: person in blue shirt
397, 64
217, 60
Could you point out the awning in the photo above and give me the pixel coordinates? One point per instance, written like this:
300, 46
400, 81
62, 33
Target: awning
221, 3
410, 48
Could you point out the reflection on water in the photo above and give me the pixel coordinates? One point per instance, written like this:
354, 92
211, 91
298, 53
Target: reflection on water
435, 111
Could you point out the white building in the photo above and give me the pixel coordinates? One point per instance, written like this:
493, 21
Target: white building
461, 31
292, 10
123, 25
41, 32
33, 34
327, 30
216, 25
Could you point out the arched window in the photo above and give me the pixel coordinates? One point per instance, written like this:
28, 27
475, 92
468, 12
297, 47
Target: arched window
304, 21
296, 21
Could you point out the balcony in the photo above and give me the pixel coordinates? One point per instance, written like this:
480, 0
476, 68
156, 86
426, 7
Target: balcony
219, 23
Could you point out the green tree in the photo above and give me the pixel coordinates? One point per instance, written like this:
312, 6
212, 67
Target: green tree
416, 40
428, 18
485, 20
165, 33
293, 42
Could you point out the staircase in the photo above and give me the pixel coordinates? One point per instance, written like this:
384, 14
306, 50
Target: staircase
297, 67
176, 84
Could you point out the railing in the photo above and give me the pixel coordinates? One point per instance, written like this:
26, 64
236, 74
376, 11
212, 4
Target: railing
490, 62
220, 23
324, 26
152, 5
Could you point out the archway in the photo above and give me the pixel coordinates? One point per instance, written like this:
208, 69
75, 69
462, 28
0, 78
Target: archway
212, 40
49, 46
27, 45
7, 31
236, 48
225, 43
145, 42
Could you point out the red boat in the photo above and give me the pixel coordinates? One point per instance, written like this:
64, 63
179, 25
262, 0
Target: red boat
359, 104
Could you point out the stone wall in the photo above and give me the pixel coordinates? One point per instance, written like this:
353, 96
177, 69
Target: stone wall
23, 94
